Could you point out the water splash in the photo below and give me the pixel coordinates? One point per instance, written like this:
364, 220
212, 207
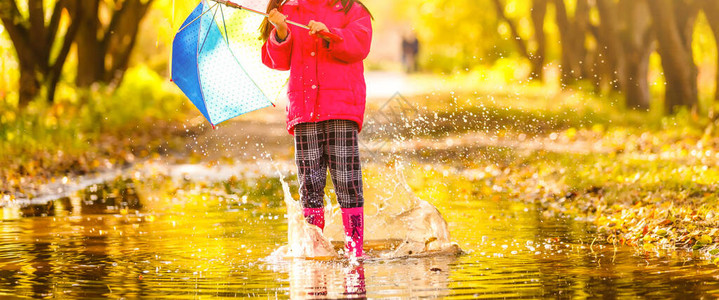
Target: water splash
397, 224
303, 240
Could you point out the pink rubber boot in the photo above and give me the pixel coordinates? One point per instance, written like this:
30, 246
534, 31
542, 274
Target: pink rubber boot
315, 216
353, 220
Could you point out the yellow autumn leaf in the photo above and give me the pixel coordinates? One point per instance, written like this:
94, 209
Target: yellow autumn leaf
649, 247
705, 239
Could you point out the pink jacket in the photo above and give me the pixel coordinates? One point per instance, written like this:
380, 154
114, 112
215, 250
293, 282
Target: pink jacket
326, 78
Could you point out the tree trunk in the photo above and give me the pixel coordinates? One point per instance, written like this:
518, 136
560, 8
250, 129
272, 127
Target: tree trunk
123, 32
537, 58
539, 11
673, 21
612, 67
568, 76
29, 85
90, 53
636, 88
54, 72
572, 38
580, 28
104, 49
625, 36
638, 39
521, 46
34, 41
711, 11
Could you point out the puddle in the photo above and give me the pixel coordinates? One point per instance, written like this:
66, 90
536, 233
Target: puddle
162, 234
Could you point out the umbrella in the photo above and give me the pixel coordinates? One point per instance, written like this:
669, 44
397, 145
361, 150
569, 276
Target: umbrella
219, 68
209, 70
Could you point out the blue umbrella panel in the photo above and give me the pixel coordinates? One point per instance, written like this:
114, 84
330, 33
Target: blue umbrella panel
208, 73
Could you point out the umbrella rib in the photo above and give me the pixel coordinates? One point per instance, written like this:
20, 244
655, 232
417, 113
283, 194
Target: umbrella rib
195, 19
199, 77
224, 24
208, 32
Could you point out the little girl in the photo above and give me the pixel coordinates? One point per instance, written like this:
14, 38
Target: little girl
326, 100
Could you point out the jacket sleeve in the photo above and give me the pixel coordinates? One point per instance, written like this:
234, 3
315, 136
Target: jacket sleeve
356, 37
275, 54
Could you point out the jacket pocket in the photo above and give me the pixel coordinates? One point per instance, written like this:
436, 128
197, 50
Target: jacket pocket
334, 75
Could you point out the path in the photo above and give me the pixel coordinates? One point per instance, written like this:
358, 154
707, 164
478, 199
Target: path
261, 132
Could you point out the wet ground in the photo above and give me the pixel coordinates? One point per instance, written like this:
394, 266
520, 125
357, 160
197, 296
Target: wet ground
178, 236
205, 229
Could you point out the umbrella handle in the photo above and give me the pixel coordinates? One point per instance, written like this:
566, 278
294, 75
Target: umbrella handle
332, 37
329, 36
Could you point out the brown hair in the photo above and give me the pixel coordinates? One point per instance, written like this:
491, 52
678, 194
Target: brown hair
266, 27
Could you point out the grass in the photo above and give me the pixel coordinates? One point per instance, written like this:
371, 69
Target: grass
86, 130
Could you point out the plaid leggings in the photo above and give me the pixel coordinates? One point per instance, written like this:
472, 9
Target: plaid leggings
333, 144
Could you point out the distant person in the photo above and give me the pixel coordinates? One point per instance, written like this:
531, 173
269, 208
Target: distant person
410, 49
327, 95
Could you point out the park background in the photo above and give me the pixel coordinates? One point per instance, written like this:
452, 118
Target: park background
599, 110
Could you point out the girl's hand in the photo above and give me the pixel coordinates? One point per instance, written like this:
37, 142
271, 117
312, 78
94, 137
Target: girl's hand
278, 20
316, 27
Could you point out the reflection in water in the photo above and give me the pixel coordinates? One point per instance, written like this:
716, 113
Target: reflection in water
355, 282
176, 238
316, 279
40, 262
428, 277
